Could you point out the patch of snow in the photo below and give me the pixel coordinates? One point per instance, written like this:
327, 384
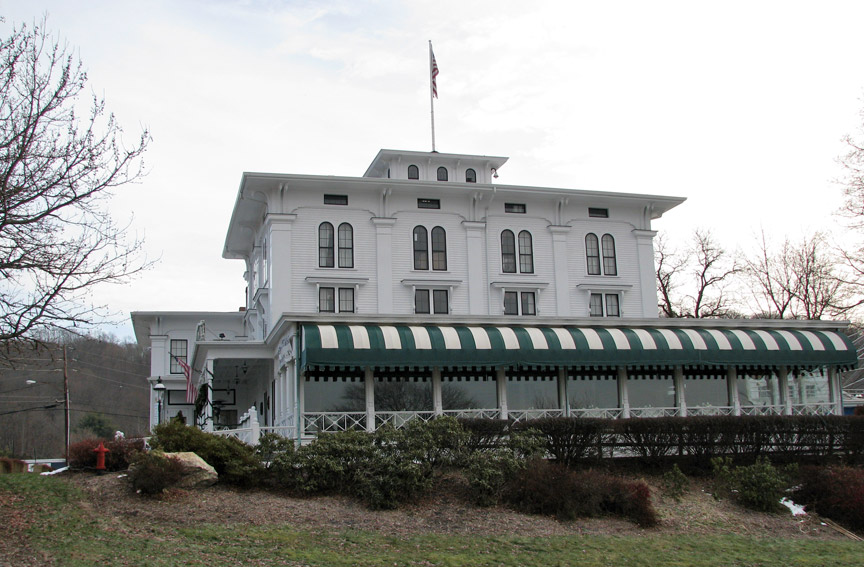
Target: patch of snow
796, 509
49, 473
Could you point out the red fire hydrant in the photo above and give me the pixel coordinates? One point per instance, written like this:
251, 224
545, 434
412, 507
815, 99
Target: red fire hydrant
100, 457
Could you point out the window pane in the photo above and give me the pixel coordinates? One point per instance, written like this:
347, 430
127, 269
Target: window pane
346, 300
439, 299
421, 301
335, 199
596, 305
421, 249
532, 392
179, 349
511, 307
428, 203
609, 267
612, 305
528, 306
439, 249
470, 176
656, 393
508, 252
591, 392
407, 394
442, 174
326, 300
346, 246
413, 172
526, 253
325, 245
592, 252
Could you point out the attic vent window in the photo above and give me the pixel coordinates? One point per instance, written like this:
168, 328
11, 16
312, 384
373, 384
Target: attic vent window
598, 213
335, 199
518, 208
428, 203
470, 176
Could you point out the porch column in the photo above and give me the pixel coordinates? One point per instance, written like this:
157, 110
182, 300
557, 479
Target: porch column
680, 397
208, 407
835, 392
783, 386
732, 389
299, 406
369, 383
623, 397
437, 404
563, 398
501, 388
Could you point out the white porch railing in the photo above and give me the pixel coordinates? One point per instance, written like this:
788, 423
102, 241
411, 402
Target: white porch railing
762, 410
474, 413
601, 413
400, 418
710, 410
653, 412
825, 408
330, 422
529, 414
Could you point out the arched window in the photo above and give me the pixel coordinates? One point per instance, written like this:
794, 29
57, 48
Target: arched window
325, 245
346, 246
526, 253
592, 252
610, 267
470, 176
442, 174
421, 249
508, 252
413, 172
439, 249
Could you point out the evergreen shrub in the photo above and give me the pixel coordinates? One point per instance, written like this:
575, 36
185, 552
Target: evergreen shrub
234, 461
153, 473
834, 492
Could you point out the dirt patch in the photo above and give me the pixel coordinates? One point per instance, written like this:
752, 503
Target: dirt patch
446, 510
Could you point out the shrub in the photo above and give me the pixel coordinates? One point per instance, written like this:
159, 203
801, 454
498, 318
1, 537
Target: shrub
759, 486
484, 434
488, 472
121, 453
569, 440
439, 443
153, 473
551, 489
674, 483
836, 493
234, 461
9, 465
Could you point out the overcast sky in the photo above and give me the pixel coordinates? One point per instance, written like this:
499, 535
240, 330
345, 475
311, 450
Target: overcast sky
738, 106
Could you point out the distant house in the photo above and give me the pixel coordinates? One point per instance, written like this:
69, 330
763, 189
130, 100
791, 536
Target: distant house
427, 288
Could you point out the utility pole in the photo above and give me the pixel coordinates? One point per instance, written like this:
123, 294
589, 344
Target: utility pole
66, 401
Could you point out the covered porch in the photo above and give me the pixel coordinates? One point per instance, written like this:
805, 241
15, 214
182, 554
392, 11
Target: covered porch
363, 376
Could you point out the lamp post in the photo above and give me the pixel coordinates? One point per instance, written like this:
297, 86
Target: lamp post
159, 388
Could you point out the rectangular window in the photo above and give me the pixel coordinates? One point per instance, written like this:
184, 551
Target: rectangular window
327, 300
428, 203
528, 303
346, 300
511, 303
179, 351
335, 199
518, 208
421, 301
612, 305
598, 213
439, 302
596, 305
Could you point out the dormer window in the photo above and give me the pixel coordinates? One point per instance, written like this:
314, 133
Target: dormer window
470, 176
413, 172
442, 174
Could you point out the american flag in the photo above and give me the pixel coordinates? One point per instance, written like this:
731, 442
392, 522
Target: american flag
191, 394
433, 69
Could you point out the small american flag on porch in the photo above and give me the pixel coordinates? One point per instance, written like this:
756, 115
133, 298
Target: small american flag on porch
191, 394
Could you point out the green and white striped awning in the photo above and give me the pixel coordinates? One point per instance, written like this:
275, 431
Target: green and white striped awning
459, 346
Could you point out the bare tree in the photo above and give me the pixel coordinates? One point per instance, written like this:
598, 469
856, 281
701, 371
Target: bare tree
694, 282
800, 280
57, 173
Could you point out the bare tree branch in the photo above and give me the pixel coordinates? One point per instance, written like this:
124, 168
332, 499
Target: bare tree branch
57, 172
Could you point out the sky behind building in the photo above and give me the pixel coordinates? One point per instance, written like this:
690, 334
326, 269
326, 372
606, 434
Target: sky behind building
738, 106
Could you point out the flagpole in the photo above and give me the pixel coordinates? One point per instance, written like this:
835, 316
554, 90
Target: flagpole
432, 73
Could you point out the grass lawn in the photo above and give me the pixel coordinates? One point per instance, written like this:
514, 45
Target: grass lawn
50, 520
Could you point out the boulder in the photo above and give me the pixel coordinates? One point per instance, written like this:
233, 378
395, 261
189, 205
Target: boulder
196, 472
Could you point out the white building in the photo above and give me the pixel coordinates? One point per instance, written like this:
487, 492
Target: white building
425, 287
